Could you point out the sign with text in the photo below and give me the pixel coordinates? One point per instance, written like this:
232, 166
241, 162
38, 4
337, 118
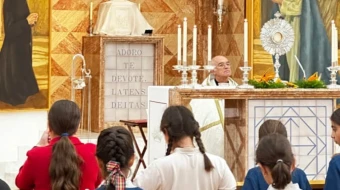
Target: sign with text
128, 73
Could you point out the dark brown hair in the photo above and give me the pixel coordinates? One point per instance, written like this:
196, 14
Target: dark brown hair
274, 151
335, 117
179, 122
64, 169
272, 126
114, 143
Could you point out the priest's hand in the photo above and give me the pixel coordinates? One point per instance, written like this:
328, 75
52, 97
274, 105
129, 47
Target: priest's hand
32, 19
278, 1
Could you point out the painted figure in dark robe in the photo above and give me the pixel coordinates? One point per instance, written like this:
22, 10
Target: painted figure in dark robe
17, 79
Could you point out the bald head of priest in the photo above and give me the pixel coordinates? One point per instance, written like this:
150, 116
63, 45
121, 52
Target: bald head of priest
222, 70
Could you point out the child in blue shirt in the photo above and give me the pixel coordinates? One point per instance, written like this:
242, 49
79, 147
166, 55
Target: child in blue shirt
333, 172
255, 180
275, 159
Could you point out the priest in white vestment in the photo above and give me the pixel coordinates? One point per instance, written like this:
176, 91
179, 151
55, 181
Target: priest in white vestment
120, 17
209, 113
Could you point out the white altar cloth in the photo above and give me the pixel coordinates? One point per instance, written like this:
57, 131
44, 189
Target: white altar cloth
120, 17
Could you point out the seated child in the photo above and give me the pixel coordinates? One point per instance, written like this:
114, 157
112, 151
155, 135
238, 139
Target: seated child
255, 180
333, 172
185, 166
115, 154
275, 158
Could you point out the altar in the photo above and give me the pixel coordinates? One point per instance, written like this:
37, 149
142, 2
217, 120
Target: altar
304, 112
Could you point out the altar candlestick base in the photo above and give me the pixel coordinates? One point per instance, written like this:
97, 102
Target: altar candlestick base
245, 80
333, 70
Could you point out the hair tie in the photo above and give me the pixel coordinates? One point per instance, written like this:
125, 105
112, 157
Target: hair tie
279, 160
116, 176
64, 134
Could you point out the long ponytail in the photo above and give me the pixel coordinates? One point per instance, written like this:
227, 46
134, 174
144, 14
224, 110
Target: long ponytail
64, 170
281, 175
65, 167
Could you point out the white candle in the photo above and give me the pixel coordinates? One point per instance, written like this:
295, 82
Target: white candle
332, 42
194, 43
179, 44
91, 9
245, 43
184, 41
209, 43
220, 2
336, 46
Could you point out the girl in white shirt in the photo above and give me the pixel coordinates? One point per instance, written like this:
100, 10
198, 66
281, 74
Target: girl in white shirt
275, 158
185, 166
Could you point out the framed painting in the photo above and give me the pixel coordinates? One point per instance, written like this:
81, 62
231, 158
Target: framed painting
311, 22
25, 54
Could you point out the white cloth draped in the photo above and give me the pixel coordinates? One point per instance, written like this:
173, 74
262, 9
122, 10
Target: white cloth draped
120, 17
209, 113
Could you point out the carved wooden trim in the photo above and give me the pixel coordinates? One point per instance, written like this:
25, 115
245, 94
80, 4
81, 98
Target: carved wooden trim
182, 94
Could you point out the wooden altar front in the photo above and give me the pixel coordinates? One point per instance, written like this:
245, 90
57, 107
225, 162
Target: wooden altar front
305, 113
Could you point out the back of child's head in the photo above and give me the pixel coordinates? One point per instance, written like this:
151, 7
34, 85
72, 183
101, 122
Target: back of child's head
178, 122
275, 153
114, 147
335, 117
272, 126
64, 117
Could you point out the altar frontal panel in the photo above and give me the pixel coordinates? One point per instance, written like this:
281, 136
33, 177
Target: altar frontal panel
308, 128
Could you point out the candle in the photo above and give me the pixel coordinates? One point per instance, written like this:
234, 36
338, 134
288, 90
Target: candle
184, 41
209, 44
179, 43
220, 2
336, 46
333, 43
91, 9
194, 44
245, 43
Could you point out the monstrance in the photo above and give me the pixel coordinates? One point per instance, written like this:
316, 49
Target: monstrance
277, 37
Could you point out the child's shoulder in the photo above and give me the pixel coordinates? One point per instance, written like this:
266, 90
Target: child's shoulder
254, 171
336, 158
299, 171
335, 163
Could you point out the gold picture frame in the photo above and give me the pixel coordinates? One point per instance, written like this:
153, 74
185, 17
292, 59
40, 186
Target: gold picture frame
259, 59
41, 57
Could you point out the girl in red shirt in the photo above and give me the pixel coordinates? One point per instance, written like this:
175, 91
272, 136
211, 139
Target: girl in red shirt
64, 163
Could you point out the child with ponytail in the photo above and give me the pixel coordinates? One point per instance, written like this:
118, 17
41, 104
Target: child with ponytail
185, 166
65, 163
276, 161
254, 179
333, 172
